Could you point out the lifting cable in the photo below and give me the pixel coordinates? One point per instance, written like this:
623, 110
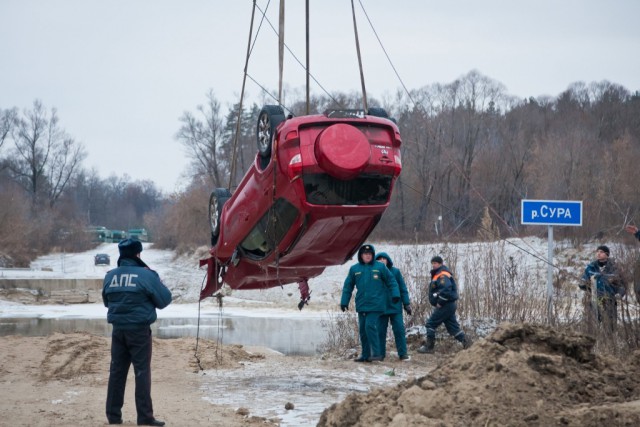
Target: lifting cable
451, 160
280, 50
337, 102
306, 67
484, 200
204, 281
306, 15
626, 302
387, 55
244, 79
272, 236
355, 32
531, 253
219, 337
232, 172
491, 232
271, 231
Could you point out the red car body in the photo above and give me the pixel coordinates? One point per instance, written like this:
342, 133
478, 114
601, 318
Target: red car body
309, 205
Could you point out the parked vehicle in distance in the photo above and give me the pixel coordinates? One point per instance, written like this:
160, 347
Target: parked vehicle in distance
99, 233
139, 234
118, 235
317, 188
102, 259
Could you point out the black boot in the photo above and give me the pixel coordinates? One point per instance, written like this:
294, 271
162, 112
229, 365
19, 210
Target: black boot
465, 340
153, 423
428, 346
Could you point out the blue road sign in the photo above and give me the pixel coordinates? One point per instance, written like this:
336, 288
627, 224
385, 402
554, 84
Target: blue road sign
551, 212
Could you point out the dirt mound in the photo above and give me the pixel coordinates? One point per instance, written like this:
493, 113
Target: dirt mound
75, 355
521, 375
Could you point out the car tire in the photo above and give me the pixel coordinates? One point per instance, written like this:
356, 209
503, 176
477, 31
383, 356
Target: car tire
218, 198
268, 120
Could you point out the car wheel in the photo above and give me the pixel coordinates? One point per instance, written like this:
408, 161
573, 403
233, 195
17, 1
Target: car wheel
216, 201
269, 118
378, 112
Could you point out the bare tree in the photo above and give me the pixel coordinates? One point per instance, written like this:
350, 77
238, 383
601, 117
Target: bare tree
65, 162
245, 147
15, 225
7, 121
45, 157
203, 139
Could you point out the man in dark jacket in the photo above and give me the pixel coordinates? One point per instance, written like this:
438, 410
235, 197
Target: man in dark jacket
132, 292
443, 294
393, 312
373, 282
632, 229
604, 274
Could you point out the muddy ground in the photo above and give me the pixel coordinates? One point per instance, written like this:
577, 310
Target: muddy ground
61, 380
520, 375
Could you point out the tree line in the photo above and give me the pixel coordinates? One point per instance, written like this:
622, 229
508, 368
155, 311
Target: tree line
470, 153
48, 199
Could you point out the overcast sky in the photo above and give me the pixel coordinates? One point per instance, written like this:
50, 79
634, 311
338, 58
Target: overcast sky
121, 73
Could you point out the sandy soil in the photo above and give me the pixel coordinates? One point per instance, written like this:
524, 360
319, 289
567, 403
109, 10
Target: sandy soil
520, 375
61, 380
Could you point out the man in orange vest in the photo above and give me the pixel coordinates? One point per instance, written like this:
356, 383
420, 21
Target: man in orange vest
443, 293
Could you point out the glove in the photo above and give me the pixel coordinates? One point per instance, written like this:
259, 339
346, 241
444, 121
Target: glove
344, 307
395, 300
407, 308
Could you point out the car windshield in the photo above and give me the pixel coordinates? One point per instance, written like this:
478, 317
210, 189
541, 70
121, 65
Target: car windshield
323, 189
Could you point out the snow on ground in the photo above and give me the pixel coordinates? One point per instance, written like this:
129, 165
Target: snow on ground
184, 277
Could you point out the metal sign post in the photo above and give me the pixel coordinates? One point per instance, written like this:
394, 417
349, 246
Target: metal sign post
550, 273
550, 213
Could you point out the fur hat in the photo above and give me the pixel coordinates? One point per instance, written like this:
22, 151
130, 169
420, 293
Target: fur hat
437, 259
129, 248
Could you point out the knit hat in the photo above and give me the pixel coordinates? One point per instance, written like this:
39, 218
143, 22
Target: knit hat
437, 259
604, 249
367, 248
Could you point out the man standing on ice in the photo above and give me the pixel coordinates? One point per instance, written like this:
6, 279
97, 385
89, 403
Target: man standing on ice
132, 292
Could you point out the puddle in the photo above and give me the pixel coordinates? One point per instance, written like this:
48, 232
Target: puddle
265, 388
